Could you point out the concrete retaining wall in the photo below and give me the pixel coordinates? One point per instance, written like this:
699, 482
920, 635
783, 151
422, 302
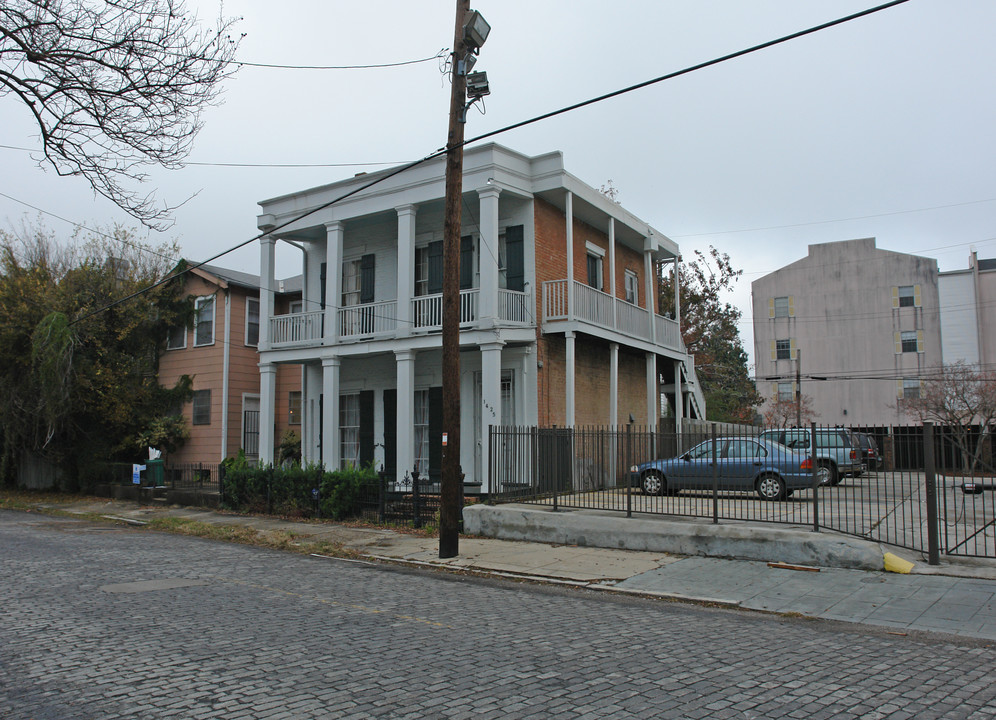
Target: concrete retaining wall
594, 528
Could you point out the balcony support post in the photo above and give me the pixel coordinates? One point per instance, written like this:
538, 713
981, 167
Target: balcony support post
267, 410
490, 403
648, 285
612, 266
569, 338
653, 393
405, 410
406, 267
333, 295
487, 310
330, 412
266, 260
569, 212
613, 384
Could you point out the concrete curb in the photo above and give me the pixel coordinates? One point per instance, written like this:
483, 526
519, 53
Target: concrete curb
742, 542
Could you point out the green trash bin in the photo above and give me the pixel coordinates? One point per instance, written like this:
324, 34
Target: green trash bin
156, 472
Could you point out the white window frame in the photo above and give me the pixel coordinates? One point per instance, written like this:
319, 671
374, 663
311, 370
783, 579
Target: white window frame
785, 392
911, 388
420, 436
295, 307
787, 349
352, 283
631, 284
908, 341
782, 308
200, 394
197, 322
910, 298
249, 302
599, 273
349, 430
294, 418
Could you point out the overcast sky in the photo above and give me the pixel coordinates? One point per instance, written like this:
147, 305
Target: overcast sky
881, 127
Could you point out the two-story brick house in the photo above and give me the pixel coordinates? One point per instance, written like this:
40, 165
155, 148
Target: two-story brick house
558, 311
220, 353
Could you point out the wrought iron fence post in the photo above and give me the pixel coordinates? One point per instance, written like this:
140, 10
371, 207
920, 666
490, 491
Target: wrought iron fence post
930, 480
416, 500
381, 490
715, 477
554, 471
816, 477
629, 475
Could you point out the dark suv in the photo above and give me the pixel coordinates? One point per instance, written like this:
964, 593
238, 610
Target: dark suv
837, 451
869, 450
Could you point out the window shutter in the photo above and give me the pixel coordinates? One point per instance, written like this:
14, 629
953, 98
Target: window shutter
774, 390
435, 257
899, 343
366, 427
794, 390
791, 305
899, 388
916, 296
895, 296
515, 274
793, 350
919, 341
367, 278
771, 307
466, 262
390, 432
774, 351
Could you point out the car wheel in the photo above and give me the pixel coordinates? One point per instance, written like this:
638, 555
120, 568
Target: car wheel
771, 487
653, 483
827, 474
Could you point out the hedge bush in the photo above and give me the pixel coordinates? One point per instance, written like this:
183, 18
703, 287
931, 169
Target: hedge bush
290, 490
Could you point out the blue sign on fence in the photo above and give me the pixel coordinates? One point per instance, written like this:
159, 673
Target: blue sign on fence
136, 473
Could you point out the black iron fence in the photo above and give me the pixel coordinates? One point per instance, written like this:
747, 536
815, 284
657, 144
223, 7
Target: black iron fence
192, 476
927, 489
412, 501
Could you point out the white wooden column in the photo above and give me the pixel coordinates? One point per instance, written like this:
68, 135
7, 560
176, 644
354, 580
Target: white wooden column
405, 412
679, 404
488, 226
612, 264
333, 295
311, 392
569, 212
490, 404
648, 274
406, 267
653, 391
569, 377
267, 409
266, 261
677, 294
330, 412
613, 384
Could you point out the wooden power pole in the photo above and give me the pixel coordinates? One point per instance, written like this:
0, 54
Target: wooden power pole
451, 486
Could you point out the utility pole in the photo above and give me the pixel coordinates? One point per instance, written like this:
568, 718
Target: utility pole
451, 486
798, 388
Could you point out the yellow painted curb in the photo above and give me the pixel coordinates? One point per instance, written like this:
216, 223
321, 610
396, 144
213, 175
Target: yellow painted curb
896, 564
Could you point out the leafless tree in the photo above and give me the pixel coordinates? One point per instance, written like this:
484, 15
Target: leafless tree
956, 398
786, 413
113, 86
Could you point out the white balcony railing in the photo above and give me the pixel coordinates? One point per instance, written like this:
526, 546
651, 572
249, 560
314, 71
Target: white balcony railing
296, 328
369, 319
514, 306
427, 310
587, 305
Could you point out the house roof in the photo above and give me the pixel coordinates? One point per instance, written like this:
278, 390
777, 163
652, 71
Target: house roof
293, 284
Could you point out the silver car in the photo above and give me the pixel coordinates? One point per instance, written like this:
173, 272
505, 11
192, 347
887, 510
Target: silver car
837, 450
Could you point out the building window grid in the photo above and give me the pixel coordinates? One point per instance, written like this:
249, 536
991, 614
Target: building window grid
632, 286
176, 339
911, 389
204, 328
421, 434
201, 410
421, 271
594, 271
786, 392
349, 430
781, 307
252, 321
783, 349
294, 407
351, 283
908, 340
907, 296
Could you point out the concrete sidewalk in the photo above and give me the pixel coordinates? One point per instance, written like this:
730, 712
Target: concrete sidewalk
957, 597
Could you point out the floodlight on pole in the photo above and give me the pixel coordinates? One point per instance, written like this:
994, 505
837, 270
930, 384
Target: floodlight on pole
475, 31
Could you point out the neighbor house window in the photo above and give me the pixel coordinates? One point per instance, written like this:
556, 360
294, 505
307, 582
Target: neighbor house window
783, 349
294, 407
349, 430
177, 338
786, 392
296, 306
594, 256
252, 321
908, 340
421, 444
781, 306
907, 296
911, 389
421, 271
202, 408
351, 283
632, 283
204, 329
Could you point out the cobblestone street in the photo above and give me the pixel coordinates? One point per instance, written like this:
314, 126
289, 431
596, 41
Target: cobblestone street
100, 621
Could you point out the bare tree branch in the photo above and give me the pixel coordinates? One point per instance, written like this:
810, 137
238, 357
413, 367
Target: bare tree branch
114, 86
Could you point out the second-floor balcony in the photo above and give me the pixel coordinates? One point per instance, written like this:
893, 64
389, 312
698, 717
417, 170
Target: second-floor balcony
370, 321
584, 304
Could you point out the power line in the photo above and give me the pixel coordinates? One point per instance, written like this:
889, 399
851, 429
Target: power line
507, 128
442, 53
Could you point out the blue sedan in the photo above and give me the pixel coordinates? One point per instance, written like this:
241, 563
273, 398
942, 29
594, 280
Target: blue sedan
768, 468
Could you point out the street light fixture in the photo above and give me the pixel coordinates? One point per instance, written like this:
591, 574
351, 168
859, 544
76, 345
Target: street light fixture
475, 31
